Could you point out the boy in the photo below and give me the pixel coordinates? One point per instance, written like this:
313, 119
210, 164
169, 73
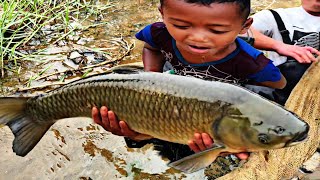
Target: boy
199, 38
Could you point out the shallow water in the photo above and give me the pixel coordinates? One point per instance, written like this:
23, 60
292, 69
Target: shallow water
78, 149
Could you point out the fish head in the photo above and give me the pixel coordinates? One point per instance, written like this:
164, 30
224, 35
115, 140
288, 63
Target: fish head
257, 132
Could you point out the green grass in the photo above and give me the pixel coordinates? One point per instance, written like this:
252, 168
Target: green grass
22, 20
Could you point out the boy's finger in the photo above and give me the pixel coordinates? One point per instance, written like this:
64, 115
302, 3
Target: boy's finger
96, 116
242, 156
314, 51
126, 131
311, 57
306, 58
193, 146
301, 57
104, 118
207, 140
298, 58
114, 124
198, 140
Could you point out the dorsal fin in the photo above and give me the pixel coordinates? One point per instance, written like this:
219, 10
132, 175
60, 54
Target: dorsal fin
127, 69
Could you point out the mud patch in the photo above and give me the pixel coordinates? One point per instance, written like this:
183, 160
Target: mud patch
91, 128
90, 148
58, 135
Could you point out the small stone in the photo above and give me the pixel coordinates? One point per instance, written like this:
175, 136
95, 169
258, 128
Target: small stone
62, 43
74, 54
82, 41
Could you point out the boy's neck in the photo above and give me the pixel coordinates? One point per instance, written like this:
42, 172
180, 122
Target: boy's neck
199, 59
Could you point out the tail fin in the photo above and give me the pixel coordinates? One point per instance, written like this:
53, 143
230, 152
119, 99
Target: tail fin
27, 132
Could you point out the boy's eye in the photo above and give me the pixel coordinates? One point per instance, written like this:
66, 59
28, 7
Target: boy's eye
180, 27
217, 32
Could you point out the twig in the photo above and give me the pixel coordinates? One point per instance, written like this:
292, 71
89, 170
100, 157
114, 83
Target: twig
270, 4
40, 87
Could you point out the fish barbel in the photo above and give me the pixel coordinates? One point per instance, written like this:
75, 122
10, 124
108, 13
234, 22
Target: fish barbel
167, 107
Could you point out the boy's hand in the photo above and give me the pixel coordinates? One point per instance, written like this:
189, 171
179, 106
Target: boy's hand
301, 54
200, 142
203, 141
107, 119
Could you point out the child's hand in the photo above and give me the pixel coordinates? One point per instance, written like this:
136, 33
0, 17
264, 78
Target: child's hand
203, 141
200, 142
301, 54
107, 119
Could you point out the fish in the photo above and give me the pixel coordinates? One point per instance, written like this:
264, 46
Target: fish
165, 106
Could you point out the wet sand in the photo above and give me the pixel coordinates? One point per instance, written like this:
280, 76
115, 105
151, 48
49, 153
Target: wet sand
77, 149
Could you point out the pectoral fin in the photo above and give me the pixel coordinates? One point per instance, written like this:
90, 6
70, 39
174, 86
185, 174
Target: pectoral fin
197, 161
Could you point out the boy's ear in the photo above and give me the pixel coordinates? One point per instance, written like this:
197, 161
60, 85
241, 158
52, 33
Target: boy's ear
246, 25
161, 11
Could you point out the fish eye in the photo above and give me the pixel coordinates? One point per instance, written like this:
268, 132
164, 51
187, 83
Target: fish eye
279, 130
263, 138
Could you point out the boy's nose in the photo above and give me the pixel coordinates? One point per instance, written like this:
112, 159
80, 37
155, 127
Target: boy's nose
197, 37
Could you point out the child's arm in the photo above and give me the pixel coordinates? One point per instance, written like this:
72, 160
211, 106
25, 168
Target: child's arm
152, 58
269, 75
276, 85
301, 54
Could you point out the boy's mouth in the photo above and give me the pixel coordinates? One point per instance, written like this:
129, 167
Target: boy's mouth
198, 49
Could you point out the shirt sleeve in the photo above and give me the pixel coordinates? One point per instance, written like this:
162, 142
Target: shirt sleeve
269, 73
146, 36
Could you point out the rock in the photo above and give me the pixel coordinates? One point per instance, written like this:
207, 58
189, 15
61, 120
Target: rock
75, 54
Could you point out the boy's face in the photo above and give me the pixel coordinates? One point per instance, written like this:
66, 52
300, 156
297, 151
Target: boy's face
312, 6
203, 30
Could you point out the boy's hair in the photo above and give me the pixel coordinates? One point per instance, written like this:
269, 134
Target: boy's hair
244, 5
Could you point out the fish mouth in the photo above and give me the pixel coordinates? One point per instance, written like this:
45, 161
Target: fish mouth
299, 137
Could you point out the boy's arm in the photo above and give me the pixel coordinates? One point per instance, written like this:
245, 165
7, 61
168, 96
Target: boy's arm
301, 54
269, 75
264, 42
276, 85
152, 58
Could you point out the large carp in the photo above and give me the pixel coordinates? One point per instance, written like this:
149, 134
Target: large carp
167, 107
